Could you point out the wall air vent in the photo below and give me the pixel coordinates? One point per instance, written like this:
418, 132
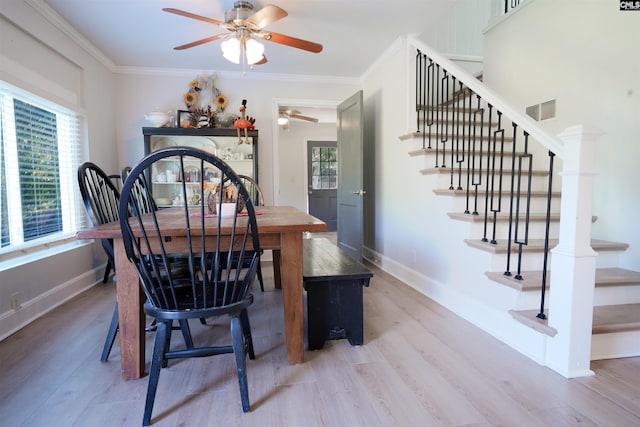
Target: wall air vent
543, 111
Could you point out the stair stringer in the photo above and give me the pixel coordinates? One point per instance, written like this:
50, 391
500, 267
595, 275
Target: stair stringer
492, 310
465, 291
486, 307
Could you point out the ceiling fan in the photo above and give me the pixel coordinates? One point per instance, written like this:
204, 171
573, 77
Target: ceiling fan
285, 115
288, 114
245, 27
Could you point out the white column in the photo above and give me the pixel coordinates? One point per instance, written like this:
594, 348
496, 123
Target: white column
573, 260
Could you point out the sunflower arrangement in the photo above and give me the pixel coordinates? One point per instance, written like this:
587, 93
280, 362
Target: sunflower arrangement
221, 102
205, 103
191, 97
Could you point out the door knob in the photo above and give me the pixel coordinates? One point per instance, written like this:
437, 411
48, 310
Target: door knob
359, 192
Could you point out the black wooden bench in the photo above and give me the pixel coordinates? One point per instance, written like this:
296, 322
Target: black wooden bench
333, 281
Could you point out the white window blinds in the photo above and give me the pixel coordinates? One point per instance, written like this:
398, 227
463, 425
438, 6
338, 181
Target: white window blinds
40, 150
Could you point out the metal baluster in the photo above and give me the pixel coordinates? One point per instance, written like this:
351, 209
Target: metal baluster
490, 143
529, 158
431, 94
419, 100
500, 171
455, 132
507, 271
460, 157
476, 157
543, 285
440, 114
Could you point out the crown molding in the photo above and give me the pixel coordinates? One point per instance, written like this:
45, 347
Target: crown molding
60, 23
233, 75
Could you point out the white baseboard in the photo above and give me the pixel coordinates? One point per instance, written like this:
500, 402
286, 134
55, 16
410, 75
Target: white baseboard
497, 323
615, 345
14, 320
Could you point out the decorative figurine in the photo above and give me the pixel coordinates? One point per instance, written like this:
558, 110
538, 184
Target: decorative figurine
245, 123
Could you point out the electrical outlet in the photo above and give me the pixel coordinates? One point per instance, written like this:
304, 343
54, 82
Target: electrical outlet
15, 301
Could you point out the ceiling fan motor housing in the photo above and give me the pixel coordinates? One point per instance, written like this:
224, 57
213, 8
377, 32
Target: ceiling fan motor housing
241, 11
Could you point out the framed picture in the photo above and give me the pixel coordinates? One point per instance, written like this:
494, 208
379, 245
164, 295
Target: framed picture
183, 117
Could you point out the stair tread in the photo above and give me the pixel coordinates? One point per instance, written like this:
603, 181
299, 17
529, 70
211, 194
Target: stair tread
447, 170
606, 319
435, 135
616, 318
485, 124
537, 245
505, 193
531, 280
447, 151
535, 217
528, 317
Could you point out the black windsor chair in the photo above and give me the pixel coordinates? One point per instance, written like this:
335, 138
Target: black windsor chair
115, 179
255, 193
101, 200
203, 293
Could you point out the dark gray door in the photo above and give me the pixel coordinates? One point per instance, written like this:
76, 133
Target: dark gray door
322, 181
350, 187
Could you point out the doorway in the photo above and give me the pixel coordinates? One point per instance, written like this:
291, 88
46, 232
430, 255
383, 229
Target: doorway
289, 186
322, 181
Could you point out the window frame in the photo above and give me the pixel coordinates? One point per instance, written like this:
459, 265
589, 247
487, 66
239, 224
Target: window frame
70, 154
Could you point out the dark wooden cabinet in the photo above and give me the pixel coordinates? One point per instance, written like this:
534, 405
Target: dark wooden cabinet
223, 142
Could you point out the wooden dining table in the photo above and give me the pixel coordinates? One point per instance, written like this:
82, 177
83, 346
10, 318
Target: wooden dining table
280, 229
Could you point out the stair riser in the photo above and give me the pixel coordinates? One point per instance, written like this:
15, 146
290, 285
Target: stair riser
533, 261
609, 295
612, 295
536, 229
445, 181
615, 345
538, 205
448, 138
479, 162
462, 122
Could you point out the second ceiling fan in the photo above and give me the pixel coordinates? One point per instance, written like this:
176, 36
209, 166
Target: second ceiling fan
245, 28
288, 114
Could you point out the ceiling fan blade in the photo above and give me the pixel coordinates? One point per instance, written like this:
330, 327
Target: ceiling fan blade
306, 118
193, 16
201, 41
262, 61
265, 16
291, 41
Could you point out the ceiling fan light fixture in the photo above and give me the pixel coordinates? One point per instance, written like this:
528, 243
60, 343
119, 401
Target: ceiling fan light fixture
254, 51
283, 121
246, 25
231, 50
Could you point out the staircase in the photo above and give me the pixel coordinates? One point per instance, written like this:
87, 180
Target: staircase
504, 189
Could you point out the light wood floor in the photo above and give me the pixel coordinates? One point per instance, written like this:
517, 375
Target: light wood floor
420, 366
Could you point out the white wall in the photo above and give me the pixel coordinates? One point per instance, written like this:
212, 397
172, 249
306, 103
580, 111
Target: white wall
292, 153
59, 69
586, 57
406, 227
142, 92
457, 34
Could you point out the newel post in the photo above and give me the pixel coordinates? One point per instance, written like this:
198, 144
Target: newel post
573, 260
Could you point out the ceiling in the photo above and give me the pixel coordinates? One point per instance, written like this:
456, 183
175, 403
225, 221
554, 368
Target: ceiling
354, 33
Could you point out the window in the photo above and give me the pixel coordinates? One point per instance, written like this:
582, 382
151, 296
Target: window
40, 151
324, 168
